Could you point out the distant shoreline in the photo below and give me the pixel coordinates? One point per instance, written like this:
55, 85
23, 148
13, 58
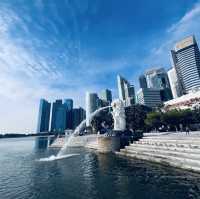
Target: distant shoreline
13, 135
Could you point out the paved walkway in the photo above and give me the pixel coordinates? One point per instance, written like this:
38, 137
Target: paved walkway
176, 134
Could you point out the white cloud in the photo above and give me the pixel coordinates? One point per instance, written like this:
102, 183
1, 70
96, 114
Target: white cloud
186, 26
26, 75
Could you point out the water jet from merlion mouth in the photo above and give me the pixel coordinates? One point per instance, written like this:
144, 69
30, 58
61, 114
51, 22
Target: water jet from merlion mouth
78, 129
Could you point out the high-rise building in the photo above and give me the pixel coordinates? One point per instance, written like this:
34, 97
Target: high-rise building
106, 95
142, 81
126, 91
43, 116
157, 78
68, 103
173, 80
60, 120
91, 105
149, 97
78, 115
186, 59
58, 117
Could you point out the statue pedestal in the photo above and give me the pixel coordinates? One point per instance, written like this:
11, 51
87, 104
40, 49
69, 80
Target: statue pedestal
108, 143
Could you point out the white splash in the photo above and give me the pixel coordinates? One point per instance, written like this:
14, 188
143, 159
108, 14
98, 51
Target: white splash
53, 157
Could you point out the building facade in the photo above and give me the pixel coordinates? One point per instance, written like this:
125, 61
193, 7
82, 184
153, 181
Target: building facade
186, 60
149, 97
142, 81
126, 91
78, 115
158, 79
91, 105
106, 95
68, 103
174, 84
58, 117
43, 116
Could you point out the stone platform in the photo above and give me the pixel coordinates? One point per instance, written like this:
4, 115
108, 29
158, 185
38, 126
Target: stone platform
100, 143
175, 149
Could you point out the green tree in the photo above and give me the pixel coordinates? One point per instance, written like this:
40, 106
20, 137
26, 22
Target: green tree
154, 120
196, 115
187, 117
172, 119
135, 116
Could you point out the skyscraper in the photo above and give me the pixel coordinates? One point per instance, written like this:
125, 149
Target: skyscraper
142, 81
78, 115
68, 103
43, 116
157, 78
106, 95
58, 118
91, 105
149, 97
126, 91
186, 59
173, 80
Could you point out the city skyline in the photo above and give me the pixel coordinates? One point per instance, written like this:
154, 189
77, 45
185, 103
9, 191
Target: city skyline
51, 69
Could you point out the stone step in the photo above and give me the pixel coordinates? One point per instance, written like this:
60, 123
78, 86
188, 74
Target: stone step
164, 147
180, 154
169, 158
176, 143
197, 138
172, 141
163, 160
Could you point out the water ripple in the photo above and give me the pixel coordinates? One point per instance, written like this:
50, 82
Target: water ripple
89, 175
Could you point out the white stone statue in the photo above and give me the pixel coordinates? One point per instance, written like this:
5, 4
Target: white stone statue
118, 114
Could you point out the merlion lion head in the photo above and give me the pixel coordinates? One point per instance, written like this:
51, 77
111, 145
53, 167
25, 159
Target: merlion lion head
117, 104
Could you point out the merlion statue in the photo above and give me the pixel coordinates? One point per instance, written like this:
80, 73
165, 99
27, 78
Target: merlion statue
118, 114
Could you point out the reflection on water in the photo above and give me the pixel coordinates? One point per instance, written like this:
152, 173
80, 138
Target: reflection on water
43, 142
86, 176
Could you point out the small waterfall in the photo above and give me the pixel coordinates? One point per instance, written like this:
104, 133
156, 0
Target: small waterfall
78, 129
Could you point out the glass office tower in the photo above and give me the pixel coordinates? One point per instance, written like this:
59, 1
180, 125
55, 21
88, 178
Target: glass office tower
126, 91
142, 81
43, 116
157, 78
58, 118
78, 115
106, 95
91, 105
186, 59
68, 103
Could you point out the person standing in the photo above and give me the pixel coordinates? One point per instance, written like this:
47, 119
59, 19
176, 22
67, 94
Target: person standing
187, 130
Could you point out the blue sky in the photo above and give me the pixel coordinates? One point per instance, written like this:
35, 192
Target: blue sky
63, 48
